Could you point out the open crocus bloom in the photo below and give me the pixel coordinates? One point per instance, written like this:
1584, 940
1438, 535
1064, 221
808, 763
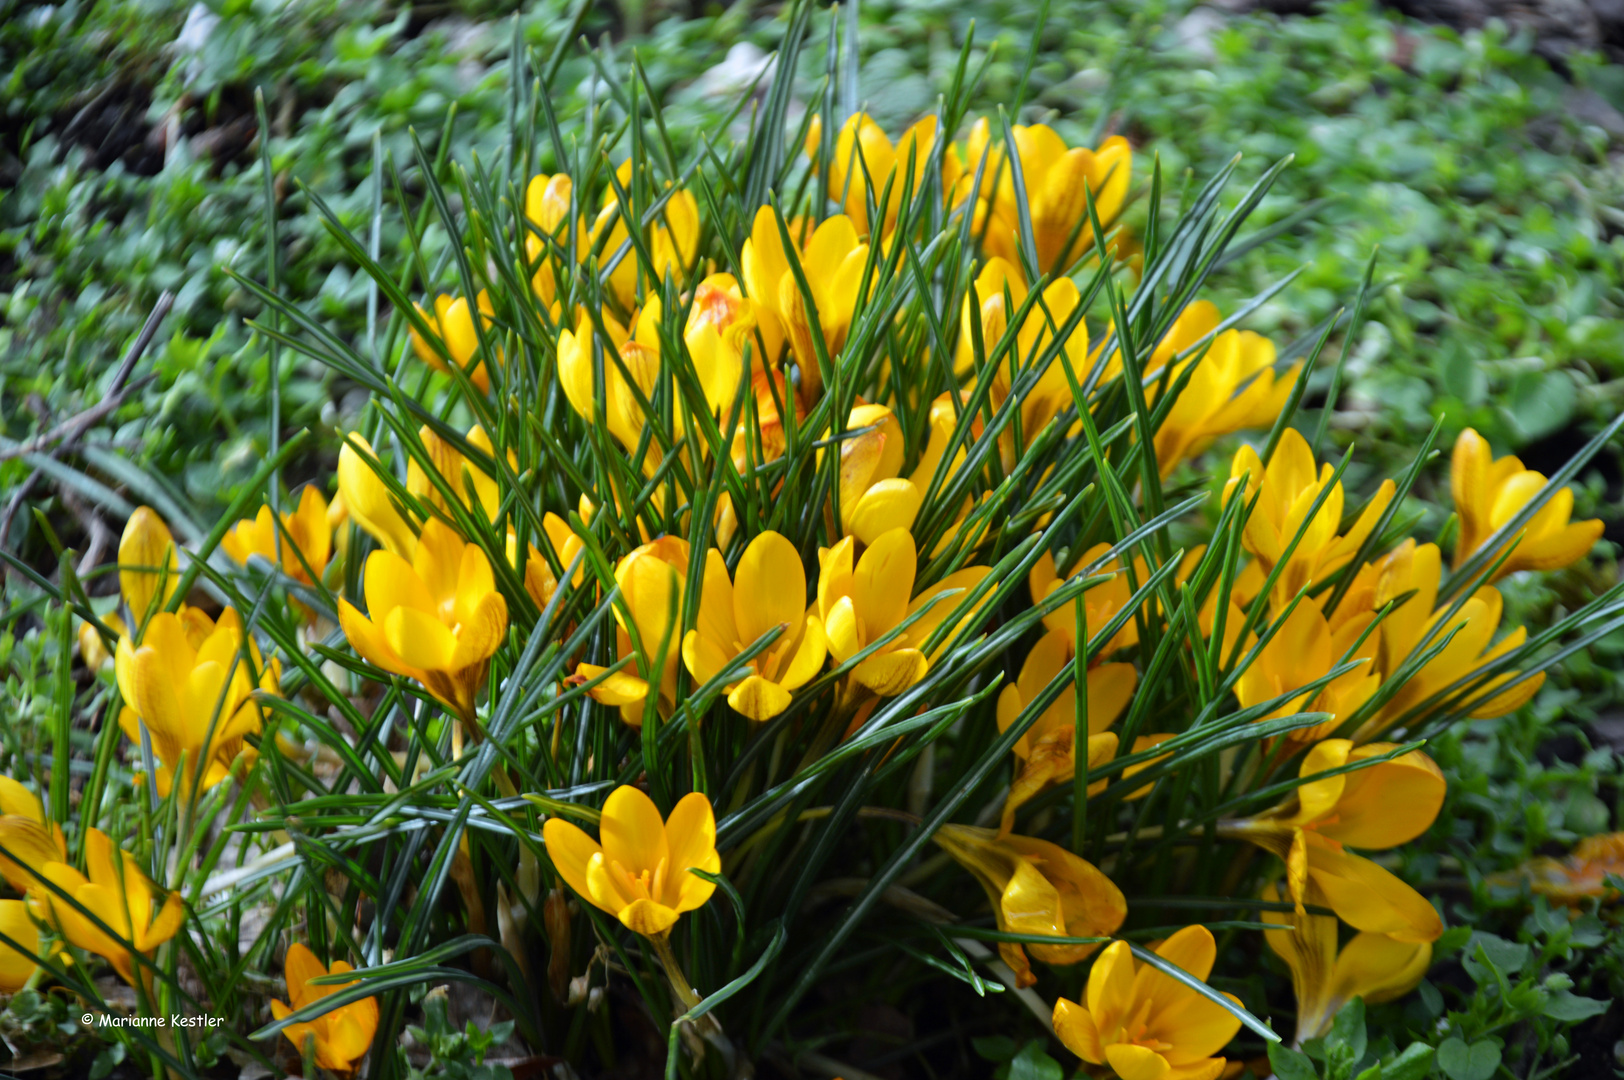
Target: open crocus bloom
1307, 648
367, 499
863, 599
863, 152
436, 619
1488, 493
1378, 807
770, 593
453, 324
1147, 1025
193, 696
121, 896
1286, 491
1056, 176
341, 1036
1375, 967
304, 542
1047, 752
639, 354
832, 263
1414, 627
638, 869
1036, 887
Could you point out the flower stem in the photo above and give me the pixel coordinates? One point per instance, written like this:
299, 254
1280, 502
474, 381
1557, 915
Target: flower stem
673, 971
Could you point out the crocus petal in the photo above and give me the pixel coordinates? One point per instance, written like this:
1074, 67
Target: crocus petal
648, 918
1368, 897
420, 639
570, 849
758, 699
1132, 1062
890, 673
632, 832
691, 833
770, 587
1075, 1027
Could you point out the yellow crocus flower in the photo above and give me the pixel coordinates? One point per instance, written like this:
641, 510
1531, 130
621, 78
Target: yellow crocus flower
547, 207
92, 650
117, 893
638, 870
1374, 967
652, 580
1374, 808
1306, 648
146, 563
874, 498
863, 152
194, 696
639, 353
863, 599
1289, 486
305, 532
672, 240
1488, 493
28, 836
1047, 753
17, 966
450, 463
1056, 176
833, 262
368, 500
1414, 627
453, 323
769, 593
1233, 387
1039, 888
436, 619
341, 1036
988, 304
1145, 1025
1101, 603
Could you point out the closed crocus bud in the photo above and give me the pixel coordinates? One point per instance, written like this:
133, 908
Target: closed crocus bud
1489, 492
863, 152
92, 650
367, 498
639, 354
457, 471
638, 870
769, 594
652, 579
1039, 888
437, 618
29, 839
149, 571
304, 542
1142, 1023
874, 498
342, 1035
453, 324
117, 893
672, 239
1374, 967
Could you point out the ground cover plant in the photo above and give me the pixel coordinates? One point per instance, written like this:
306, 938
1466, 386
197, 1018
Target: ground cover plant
811, 592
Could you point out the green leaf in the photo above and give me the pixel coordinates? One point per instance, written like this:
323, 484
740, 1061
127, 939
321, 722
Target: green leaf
1033, 1064
1541, 402
1291, 1064
1571, 1008
1505, 957
1413, 1064
1462, 1062
1345, 1045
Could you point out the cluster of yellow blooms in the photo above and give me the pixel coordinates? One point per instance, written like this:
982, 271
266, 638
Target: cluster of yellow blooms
771, 619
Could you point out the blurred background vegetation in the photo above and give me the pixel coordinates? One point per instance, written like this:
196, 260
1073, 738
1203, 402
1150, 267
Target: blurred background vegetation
1484, 164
